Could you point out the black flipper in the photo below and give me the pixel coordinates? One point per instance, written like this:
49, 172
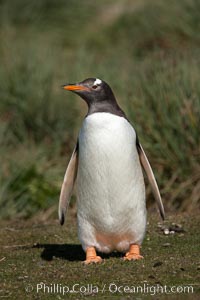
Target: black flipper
67, 185
147, 167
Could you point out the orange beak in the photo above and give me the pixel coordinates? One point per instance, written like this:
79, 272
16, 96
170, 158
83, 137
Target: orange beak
75, 88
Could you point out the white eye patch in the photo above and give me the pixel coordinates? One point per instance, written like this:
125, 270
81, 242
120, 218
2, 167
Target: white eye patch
97, 81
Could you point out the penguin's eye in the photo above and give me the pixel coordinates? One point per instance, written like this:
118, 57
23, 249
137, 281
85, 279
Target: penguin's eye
94, 86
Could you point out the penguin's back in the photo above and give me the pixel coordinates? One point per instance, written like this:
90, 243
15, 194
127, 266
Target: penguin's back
110, 184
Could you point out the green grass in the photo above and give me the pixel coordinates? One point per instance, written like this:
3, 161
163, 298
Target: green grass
149, 54
33, 252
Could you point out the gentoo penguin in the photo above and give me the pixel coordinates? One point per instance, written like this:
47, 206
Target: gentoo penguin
106, 162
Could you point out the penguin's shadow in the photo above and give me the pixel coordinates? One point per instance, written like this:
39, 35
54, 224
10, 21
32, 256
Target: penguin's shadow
70, 252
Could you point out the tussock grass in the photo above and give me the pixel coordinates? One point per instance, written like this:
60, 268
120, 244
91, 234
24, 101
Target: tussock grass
148, 53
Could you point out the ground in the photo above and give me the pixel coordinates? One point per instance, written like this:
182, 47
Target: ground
32, 253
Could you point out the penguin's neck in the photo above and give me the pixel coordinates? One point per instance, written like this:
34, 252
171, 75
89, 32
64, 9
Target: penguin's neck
107, 105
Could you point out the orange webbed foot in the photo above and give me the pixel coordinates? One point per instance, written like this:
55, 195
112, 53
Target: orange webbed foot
91, 256
133, 253
96, 259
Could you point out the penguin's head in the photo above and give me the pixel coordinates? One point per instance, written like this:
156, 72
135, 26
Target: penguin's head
92, 90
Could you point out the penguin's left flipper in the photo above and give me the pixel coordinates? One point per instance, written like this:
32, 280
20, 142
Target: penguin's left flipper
67, 185
146, 165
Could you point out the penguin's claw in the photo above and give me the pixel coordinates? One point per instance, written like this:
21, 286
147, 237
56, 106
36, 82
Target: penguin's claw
91, 256
134, 253
132, 256
91, 260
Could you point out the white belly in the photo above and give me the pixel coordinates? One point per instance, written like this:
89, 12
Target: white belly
110, 184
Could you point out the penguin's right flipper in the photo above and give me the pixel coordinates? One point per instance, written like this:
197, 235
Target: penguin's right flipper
147, 167
67, 185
